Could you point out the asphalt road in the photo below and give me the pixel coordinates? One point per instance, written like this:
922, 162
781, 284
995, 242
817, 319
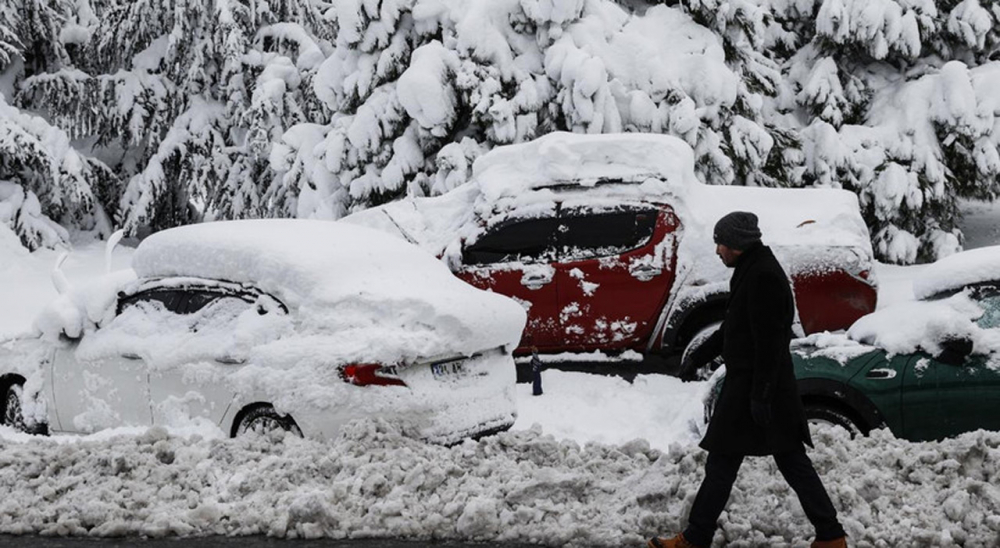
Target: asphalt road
33, 541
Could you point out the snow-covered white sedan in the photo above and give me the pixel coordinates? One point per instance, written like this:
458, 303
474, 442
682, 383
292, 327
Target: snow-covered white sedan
302, 325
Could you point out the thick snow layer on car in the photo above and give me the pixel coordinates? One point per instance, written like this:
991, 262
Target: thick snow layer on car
526, 180
835, 346
913, 326
958, 270
84, 306
787, 216
560, 158
335, 276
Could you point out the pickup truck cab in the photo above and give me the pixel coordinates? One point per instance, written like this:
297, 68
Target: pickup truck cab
606, 240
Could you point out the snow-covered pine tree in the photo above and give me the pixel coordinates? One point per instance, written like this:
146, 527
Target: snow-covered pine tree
421, 88
9, 43
370, 147
894, 102
762, 153
184, 98
44, 181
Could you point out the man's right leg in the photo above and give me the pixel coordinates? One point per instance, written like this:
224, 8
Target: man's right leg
720, 475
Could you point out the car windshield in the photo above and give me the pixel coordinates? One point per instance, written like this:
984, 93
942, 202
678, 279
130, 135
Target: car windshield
991, 312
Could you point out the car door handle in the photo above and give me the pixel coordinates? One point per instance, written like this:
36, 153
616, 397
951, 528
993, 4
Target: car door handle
645, 272
881, 374
535, 281
231, 360
131, 356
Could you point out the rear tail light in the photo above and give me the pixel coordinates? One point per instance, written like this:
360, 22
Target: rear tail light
370, 374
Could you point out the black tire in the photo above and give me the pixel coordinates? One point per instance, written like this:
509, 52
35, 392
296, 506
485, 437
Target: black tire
819, 413
13, 414
12, 410
696, 372
263, 419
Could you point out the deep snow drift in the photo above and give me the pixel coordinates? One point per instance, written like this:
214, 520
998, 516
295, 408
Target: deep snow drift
523, 485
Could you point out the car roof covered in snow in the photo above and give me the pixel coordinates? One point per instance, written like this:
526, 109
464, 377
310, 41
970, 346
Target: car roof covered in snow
959, 270
529, 179
339, 277
560, 157
292, 259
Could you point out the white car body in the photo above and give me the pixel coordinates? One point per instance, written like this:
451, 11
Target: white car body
216, 318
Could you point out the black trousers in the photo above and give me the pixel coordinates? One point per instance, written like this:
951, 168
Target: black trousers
720, 474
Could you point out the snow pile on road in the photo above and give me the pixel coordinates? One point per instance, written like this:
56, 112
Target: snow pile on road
522, 486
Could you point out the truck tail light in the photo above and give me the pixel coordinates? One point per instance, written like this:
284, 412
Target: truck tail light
370, 374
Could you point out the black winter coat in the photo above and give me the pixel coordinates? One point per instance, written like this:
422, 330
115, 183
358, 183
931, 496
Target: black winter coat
754, 340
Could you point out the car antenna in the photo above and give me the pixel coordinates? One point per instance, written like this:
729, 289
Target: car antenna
58, 277
110, 247
401, 230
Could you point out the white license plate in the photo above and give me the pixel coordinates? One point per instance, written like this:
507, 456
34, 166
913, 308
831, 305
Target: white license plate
455, 368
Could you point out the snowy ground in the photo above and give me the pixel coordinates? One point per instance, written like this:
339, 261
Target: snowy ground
594, 461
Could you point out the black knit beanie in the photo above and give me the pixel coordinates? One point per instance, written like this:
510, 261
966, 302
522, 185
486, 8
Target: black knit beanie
737, 230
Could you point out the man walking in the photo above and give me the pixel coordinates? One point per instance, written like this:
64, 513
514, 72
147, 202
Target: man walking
758, 411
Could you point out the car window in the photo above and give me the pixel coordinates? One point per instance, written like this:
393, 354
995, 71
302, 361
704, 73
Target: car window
991, 312
169, 299
198, 299
218, 313
524, 240
586, 235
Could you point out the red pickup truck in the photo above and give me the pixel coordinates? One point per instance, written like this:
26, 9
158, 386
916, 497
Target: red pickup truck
606, 242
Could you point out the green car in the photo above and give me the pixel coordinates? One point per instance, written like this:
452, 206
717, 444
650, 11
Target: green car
926, 369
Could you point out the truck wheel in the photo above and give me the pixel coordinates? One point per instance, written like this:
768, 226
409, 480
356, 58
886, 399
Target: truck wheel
820, 413
263, 419
694, 372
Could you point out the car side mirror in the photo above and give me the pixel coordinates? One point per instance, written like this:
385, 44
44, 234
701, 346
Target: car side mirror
954, 351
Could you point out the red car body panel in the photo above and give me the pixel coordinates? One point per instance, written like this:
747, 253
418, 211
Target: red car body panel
510, 279
612, 303
832, 300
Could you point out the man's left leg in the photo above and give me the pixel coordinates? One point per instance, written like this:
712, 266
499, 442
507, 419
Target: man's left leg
798, 471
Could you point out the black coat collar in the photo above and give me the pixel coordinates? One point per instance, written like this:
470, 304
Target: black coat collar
746, 259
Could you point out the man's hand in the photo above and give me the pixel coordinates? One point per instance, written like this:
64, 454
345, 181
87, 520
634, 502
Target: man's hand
761, 412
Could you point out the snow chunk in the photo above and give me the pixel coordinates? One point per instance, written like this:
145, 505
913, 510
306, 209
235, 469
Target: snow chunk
424, 89
82, 308
914, 326
561, 157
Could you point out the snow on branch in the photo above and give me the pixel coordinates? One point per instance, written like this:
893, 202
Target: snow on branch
183, 170
37, 160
